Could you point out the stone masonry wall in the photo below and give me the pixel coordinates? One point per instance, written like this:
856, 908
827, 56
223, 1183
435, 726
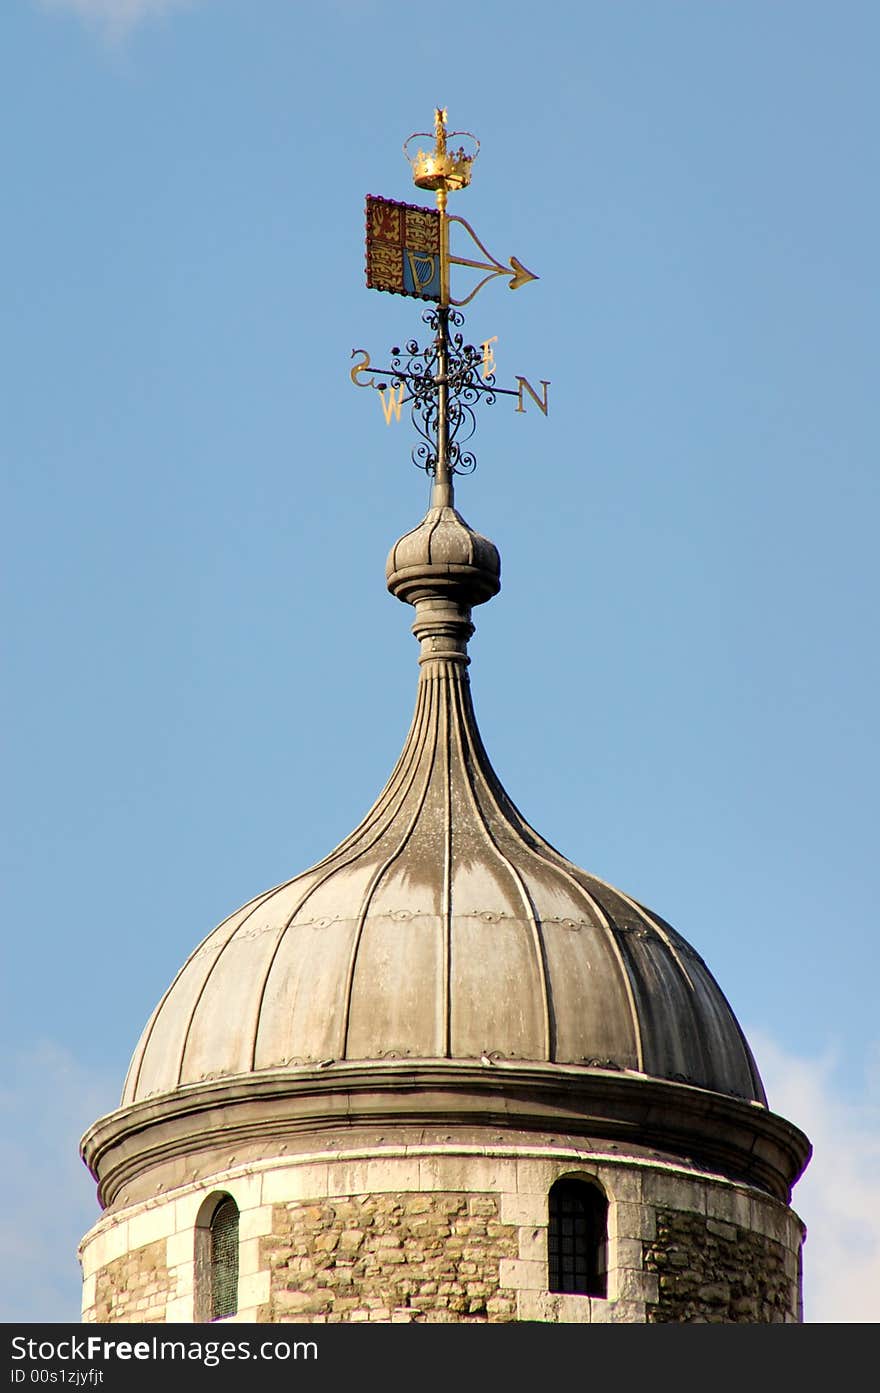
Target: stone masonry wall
390, 1257
451, 1232
711, 1271
135, 1287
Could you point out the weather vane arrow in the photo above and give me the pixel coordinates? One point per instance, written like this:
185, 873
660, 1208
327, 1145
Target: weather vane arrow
408, 253
521, 276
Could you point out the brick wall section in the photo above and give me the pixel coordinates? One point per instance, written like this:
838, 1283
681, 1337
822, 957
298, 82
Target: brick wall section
135, 1287
716, 1272
390, 1257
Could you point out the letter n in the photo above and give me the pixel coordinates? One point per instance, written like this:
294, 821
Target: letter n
541, 402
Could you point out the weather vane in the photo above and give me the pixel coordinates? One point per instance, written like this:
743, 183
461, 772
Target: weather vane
408, 253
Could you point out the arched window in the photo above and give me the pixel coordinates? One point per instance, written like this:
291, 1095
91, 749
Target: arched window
577, 1239
217, 1259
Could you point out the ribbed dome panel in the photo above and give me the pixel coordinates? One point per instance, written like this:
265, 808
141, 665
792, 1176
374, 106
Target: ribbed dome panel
444, 927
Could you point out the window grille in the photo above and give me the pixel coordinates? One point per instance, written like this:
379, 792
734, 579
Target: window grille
224, 1259
577, 1239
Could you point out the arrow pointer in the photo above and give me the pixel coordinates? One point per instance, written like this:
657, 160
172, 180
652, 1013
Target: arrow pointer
520, 275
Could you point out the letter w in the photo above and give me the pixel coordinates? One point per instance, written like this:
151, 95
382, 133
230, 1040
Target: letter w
391, 405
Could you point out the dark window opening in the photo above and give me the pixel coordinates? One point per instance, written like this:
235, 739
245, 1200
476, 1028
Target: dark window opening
577, 1239
224, 1259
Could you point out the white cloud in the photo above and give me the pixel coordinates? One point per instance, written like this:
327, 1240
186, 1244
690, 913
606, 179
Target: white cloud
116, 17
47, 1101
839, 1196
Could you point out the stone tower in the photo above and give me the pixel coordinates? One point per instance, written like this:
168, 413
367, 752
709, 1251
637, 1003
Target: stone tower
444, 1075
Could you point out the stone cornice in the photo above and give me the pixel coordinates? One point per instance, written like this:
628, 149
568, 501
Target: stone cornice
208, 1121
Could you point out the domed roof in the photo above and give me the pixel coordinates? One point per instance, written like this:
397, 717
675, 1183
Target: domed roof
444, 927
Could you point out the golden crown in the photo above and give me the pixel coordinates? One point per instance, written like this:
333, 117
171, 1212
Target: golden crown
441, 168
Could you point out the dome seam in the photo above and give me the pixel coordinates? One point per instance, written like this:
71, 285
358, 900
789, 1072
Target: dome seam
365, 904
531, 912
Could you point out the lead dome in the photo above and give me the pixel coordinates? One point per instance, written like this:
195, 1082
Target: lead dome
444, 927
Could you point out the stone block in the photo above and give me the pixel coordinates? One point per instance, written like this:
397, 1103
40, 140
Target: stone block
258, 1315
245, 1189
179, 1308
769, 1218
418, 1204
627, 1252
88, 1294
618, 1312
728, 1204
621, 1183
629, 1285
350, 1178
187, 1204
745, 1309
519, 1209
575, 1310
398, 1174
150, 1225
477, 1288
482, 1207
726, 1232
253, 1290
463, 1173
249, 1257
373, 1177
522, 1275
501, 1308
388, 1240
635, 1221
350, 1240
670, 1191
107, 1245
602, 1312
180, 1248
797, 1230
714, 1293
182, 1279
537, 1305
532, 1244
535, 1175
255, 1223
293, 1182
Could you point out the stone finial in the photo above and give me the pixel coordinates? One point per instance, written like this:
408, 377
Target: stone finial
443, 568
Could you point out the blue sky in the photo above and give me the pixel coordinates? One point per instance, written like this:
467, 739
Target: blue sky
208, 682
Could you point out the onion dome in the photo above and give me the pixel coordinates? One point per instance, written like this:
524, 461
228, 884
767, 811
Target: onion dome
444, 929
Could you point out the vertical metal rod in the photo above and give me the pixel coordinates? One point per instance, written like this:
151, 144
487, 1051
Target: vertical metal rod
442, 495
